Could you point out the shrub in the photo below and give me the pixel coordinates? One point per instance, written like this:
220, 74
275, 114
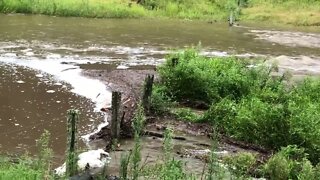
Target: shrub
212, 78
289, 163
278, 167
241, 163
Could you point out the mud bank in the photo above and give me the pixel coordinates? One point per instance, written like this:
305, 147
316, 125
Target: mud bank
129, 82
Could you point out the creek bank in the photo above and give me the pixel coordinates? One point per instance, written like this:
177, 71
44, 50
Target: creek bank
192, 141
129, 83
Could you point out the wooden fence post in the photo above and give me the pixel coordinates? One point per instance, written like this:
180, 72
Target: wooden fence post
147, 91
115, 115
71, 165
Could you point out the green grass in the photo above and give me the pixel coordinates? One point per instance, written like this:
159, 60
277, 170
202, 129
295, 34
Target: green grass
23, 170
294, 12
78, 8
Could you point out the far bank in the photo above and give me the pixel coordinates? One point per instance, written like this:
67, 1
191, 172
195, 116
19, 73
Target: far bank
292, 12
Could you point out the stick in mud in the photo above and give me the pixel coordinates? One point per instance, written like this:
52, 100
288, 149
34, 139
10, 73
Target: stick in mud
147, 91
115, 117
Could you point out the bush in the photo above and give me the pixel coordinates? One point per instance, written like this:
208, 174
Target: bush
290, 163
212, 78
160, 101
241, 163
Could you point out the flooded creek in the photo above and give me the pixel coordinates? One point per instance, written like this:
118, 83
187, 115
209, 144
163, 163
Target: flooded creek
41, 60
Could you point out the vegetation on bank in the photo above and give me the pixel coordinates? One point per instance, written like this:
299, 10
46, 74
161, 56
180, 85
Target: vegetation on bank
246, 102
26, 167
296, 12
241, 100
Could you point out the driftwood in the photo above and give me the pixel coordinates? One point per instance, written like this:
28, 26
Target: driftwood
160, 135
244, 145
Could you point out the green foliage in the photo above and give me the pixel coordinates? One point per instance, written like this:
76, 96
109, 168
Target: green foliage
296, 12
20, 170
212, 78
160, 102
27, 168
172, 169
45, 154
72, 154
241, 163
186, 114
290, 163
124, 163
278, 167
247, 103
215, 169
138, 123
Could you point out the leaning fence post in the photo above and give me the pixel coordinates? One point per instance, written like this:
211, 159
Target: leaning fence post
115, 116
71, 165
147, 91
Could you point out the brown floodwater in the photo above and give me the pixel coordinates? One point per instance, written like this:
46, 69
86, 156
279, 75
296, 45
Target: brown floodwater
41, 59
31, 103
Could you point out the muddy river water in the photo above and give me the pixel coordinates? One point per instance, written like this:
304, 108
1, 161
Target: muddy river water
41, 59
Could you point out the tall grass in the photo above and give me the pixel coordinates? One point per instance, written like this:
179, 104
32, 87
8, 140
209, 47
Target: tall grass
81, 8
138, 124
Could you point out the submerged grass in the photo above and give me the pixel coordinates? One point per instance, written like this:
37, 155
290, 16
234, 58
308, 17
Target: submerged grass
294, 12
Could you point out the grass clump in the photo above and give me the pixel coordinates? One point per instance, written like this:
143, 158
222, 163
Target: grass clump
160, 102
27, 168
290, 163
186, 114
138, 124
241, 164
23, 169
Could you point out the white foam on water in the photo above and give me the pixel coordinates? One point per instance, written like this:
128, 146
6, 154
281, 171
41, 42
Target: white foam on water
39, 75
86, 137
51, 91
58, 84
122, 67
20, 82
84, 86
29, 53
